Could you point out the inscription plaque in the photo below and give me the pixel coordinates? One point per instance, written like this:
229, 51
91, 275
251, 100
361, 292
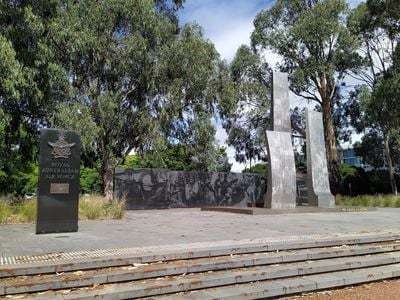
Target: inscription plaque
59, 163
59, 188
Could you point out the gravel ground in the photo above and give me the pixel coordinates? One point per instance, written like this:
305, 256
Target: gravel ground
385, 290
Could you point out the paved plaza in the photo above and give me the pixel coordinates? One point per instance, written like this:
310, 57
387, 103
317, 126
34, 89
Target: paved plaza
177, 226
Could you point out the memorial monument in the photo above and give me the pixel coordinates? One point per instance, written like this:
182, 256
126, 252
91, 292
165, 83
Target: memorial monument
318, 189
59, 163
281, 187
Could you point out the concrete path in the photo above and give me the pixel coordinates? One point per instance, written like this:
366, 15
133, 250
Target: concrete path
177, 226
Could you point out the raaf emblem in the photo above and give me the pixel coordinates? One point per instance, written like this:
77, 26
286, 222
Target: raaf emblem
61, 148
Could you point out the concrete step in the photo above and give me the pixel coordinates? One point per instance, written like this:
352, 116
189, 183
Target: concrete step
195, 281
103, 258
22, 284
289, 286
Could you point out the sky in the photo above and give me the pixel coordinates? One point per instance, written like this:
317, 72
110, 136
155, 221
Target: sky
228, 24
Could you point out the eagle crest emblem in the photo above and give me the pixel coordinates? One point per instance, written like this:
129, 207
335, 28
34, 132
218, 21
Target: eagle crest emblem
61, 148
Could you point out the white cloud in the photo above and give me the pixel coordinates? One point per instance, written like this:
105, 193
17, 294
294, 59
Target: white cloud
227, 44
228, 24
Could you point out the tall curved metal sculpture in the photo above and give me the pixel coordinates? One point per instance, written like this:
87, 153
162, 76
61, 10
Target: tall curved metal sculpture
319, 193
281, 187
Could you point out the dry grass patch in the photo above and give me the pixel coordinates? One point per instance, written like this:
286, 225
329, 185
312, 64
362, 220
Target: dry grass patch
5, 212
91, 207
95, 207
21, 212
369, 200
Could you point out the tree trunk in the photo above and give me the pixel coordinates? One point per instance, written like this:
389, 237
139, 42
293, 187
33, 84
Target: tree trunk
330, 142
108, 180
389, 164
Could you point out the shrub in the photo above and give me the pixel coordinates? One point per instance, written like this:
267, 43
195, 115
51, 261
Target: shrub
347, 171
90, 181
116, 209
356, 181
261, 168
93, 207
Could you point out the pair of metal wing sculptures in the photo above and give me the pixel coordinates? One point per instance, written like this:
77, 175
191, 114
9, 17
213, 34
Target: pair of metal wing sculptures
281, 188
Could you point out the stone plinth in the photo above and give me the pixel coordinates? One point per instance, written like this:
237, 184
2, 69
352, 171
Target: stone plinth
319, 193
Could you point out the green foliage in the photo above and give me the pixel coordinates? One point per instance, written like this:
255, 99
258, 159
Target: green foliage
132, 162
347, 171
386, 13
222, 161
31, 81
10, 69
258, 168
123, 73
168, 156
245, 104
357, 181
376, 25
178, 157
313, 40
21, 178
90, 181
372, 152
380, 106
136, 78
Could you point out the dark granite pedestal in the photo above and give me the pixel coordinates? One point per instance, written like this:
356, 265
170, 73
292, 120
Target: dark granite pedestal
58, 198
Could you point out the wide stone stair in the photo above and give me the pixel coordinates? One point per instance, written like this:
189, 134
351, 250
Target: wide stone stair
245, 269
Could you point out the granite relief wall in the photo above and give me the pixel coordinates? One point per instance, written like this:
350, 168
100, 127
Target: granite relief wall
161, 188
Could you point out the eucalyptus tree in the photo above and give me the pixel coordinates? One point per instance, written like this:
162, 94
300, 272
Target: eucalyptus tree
37, 77
381, 112
31, 81
136, 77
376, 25
378, 34
245, 104
317, 49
